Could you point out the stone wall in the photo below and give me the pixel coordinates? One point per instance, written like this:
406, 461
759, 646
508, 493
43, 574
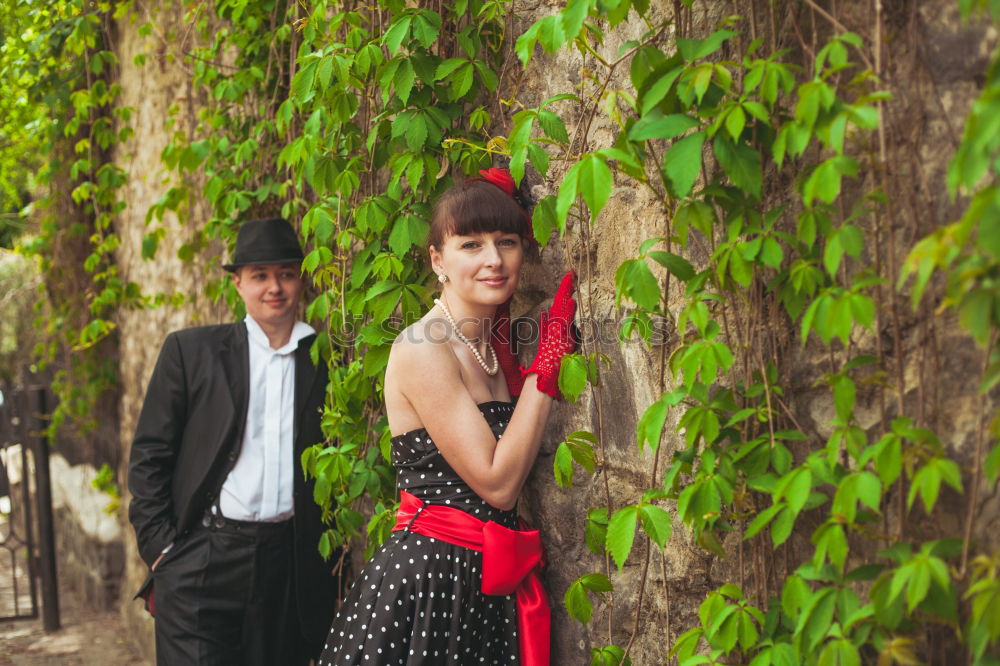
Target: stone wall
933, 68
932, 91
90, 545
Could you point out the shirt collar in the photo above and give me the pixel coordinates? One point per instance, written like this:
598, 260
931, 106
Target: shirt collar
257, 335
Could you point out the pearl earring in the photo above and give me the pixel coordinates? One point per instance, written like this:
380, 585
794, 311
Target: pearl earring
442, 278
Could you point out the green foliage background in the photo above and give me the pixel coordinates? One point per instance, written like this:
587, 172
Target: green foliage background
769, 165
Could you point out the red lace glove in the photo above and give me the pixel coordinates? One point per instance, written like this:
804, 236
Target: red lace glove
503, 345
555, 338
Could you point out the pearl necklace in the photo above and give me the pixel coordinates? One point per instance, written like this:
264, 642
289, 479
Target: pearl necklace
469, 343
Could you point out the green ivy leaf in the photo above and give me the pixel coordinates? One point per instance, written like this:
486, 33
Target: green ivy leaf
461, 80
816, 618
543, 220
149, 244
678, 266
426, 27
651, 95
547, 31
448, 66
634, 280
735, 122
408, 231
741, 163
595, 530
609, 655
553, 126
889, 459
839, 652
782, 526
576, 600
650, 426
657, 126
927, 481
562, 466
590, 178
682, 164
656, 523
621, 534
915, 576
572, 16
577, 604
695, 49
396, 33
762, 519
976, 313
572, 376
847, 238
992, 464
578, 447
539, 158
843, 398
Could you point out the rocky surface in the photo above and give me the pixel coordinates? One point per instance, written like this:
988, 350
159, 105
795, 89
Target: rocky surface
88, 637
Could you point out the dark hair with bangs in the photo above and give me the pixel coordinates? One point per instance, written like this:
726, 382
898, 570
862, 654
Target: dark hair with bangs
476, 207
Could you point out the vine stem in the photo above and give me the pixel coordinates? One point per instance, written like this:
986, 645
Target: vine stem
767, 394
977, 466
583, 128
656, 459
891, 259
840, 26
598, 403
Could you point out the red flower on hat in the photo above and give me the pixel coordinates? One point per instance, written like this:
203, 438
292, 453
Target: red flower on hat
499, 177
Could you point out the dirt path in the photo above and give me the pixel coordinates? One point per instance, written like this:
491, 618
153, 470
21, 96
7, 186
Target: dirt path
87, 638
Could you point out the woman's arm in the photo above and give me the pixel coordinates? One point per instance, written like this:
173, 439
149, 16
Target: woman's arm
430, 379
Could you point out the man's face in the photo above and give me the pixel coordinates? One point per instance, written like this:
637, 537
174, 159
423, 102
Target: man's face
271, 292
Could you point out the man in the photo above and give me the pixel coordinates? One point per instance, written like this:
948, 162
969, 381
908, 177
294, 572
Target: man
222, 513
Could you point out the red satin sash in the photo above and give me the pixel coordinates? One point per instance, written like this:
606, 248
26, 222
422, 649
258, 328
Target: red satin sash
511, 563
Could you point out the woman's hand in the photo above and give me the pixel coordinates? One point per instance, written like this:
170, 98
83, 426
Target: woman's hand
555, 338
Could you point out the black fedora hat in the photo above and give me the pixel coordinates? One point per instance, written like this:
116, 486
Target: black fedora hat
266, 241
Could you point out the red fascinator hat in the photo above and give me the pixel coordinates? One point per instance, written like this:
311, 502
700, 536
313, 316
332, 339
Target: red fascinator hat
499, 177
502, 179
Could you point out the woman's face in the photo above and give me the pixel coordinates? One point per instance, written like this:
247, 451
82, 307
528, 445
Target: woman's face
482, 268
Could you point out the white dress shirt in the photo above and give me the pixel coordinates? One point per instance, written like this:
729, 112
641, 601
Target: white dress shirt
259, 487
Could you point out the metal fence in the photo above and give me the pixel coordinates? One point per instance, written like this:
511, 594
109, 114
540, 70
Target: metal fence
28, 583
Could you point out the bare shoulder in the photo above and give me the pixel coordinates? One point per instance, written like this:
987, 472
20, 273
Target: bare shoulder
421, 372
420, 354
421, 342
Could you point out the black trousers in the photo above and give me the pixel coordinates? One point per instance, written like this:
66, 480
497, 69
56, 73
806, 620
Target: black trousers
225, 596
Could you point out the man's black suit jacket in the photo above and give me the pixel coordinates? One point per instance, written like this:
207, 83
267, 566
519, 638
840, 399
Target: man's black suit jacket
189, 435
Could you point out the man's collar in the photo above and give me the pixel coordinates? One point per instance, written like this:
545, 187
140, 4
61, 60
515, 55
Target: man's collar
257, 335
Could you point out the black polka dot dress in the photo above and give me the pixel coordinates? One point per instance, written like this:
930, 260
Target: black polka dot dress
418, 601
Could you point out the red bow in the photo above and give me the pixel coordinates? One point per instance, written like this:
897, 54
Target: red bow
499, 177
511, 563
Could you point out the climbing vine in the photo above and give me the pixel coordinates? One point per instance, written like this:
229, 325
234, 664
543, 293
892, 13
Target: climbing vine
767, 157
338, 115
704, 120
62, 118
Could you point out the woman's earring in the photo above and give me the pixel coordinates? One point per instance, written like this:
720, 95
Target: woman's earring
442, 278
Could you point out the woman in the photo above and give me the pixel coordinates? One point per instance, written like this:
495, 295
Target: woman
457, 582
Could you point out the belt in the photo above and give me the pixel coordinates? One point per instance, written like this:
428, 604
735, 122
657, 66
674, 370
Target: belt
250, 528
512, 560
